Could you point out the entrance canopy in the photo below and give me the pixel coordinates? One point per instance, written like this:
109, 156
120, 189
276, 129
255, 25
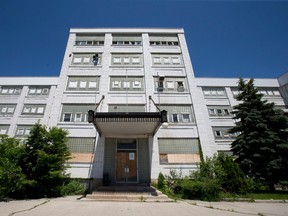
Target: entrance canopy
127, 123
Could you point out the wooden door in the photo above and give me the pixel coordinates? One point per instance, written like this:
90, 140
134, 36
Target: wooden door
126, 166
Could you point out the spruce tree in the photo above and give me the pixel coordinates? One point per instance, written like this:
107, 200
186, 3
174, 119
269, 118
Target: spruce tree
261, 146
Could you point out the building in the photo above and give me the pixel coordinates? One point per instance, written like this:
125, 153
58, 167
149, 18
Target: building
127, 77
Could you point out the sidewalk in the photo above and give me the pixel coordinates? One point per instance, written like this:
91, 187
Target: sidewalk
71, 206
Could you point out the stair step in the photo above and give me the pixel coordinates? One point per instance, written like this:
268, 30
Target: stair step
135, 194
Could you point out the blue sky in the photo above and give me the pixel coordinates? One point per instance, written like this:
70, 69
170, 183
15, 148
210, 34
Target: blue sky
225, 38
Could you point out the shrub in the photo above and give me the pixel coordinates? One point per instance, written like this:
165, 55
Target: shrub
232, 178
208, 190
72, 187
161, 185
12, 180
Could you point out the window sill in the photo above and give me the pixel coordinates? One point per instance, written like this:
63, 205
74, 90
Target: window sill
85, 66
168, 66
128, 65
82, 92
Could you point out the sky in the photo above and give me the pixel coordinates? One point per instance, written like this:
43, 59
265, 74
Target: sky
225, 38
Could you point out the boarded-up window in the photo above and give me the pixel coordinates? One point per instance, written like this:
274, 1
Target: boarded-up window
178, 150
82, 149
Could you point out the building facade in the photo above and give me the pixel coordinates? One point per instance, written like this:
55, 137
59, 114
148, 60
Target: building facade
127, 77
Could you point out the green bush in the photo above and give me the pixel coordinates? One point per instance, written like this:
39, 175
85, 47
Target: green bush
161, 185
72, 187
231, 177
208, 190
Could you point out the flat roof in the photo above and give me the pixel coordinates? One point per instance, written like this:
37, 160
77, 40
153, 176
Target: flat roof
28, 81
127, 30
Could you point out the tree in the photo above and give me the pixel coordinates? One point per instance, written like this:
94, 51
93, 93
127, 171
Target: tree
12, 180
261, 146
44, 156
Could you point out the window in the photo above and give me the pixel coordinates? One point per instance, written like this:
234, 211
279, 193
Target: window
77, 60
170, 84
78, 117
7, 109
40, 110
157, 60
166, 60
86, 59
179, 114
32, 91
127, 39
163, 40
89, 39
23, 130
214, 91
37, 91
170, 60
136, 84
31, 109
126, 83
4, 129
127, 59
219, 111
116, 84
117, 60
67, 117
269, 92
82, 83
92, 84
175, 60
178, 150
73, 84
180, 86
135, 60
75, 113
10, 90
221, 133
186, 118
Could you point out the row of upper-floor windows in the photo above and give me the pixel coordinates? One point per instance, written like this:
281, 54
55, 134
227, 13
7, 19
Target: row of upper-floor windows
33, 90
175, 113
27, 109
127, 83
127, 40
90, 59
221, 92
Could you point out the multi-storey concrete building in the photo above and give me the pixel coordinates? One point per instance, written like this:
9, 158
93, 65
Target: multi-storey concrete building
127, 77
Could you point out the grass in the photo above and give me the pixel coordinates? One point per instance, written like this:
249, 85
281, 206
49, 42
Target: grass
261, 195
268, 196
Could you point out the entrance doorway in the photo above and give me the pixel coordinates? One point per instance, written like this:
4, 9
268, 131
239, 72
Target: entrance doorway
126, 161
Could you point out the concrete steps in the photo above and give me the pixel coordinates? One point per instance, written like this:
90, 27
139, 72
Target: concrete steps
127, 194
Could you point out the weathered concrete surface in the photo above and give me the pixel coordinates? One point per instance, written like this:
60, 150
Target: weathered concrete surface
70, 206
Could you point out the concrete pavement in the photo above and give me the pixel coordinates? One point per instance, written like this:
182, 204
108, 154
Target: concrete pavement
71, 206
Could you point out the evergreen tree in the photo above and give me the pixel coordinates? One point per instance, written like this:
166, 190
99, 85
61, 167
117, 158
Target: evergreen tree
261, 147
44, 157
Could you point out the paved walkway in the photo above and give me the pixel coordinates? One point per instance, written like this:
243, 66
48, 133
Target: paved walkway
70, 206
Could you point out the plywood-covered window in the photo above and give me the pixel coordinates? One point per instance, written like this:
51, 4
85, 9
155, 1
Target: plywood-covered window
178, 151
